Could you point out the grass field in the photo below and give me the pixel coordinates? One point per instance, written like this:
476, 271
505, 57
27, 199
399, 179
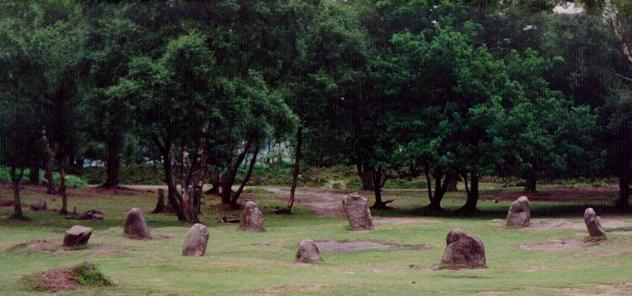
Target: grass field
241, 263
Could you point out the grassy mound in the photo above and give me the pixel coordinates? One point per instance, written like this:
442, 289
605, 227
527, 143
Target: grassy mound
66, 279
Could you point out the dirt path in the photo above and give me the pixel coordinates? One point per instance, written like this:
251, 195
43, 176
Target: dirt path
324, 202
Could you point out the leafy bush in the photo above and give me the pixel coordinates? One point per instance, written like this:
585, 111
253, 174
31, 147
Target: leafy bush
88, 274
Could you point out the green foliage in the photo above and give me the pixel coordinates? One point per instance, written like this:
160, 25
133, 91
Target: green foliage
72, 181
89, 275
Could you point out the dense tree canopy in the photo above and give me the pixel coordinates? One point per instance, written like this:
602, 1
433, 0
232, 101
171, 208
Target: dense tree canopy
444, 91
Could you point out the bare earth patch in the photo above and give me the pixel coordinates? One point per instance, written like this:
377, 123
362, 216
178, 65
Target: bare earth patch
55, 245
288, 289
358, 245
160, 237
402, 220
66, 278
618, 289
557, 245
574, 225
54, 280
36, 246
323, 202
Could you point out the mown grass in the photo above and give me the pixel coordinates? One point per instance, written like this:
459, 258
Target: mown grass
241, 263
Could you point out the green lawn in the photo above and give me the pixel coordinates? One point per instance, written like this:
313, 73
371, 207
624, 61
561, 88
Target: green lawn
240, 263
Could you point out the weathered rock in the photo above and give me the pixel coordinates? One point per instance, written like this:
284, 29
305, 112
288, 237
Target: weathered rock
308, 252
358, 213
77, 236
195, 243
519, 213
135, 226
91, 215
463, 250
38, 205
593, 224
251, 218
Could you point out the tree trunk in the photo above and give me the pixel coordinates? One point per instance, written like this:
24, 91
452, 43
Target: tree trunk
48, 174
195, 180
366, 177
452, 186
530, 182
472, 194
246, 179
297, 167
34, 170
377, 188
228, 178
623, 202
429, 185
160, 204
62, 190
113, 163
17, 200
441, 186
170, 178
215, 183
610, 13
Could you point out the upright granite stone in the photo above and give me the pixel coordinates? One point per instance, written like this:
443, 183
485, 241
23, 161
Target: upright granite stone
593, 224
135, 226
196, 241
38, 205
519, 213
77, 236
463, 250
251, 218
308, 252
358, 213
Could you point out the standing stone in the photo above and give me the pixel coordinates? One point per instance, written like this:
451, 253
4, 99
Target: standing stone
77, 236
358, 213
38, 205
519, 213
195, 243
251, 218
308, 252
593, 224
463, 250
135, 225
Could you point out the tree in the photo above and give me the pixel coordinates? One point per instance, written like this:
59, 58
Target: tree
21, 89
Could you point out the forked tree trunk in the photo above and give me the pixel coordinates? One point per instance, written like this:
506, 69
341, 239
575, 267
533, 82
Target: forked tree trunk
441, 186
170, 178
472, 193
366, 176
246, 179
62, 190
297, 167
17, 200
378, 183
228, 178
195, 181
